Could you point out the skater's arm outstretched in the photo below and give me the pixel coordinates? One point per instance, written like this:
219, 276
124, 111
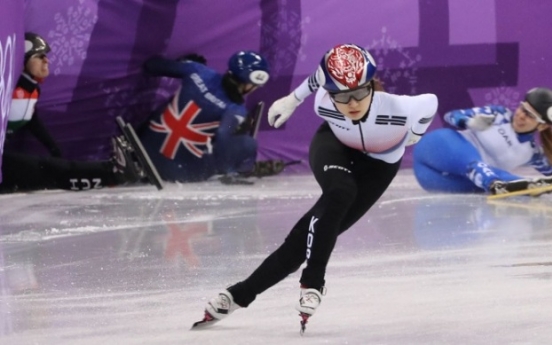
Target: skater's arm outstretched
162, 67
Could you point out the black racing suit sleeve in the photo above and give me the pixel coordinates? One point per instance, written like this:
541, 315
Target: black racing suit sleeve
38, 129
161, 67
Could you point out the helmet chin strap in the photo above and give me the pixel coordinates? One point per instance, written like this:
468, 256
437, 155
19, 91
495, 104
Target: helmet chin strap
31, 76
244, 90
530, 131
232, 88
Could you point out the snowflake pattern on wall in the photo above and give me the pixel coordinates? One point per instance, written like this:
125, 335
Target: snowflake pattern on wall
282, 25
304, 38
127, 100
71, 35
397, 78
503, 95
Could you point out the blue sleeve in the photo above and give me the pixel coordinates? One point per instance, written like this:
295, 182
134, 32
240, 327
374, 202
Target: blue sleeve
162, 67
458, 118
540, 163
222, 148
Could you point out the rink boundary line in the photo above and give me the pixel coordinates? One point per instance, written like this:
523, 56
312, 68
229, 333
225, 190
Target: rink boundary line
69, 232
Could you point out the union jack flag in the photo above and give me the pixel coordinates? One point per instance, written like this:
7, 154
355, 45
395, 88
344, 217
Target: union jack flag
180, 129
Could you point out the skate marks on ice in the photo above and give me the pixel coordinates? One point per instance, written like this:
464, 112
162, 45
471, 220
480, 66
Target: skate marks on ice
135, 266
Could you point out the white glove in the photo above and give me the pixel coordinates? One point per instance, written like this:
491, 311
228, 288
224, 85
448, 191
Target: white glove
283, 107
480, 122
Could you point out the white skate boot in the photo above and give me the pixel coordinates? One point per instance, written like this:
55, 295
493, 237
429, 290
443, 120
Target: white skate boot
309, 300
217, 309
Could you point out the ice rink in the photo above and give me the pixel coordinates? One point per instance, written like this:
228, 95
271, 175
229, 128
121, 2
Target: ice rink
136, 266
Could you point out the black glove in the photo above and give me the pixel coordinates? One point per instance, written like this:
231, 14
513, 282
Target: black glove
151, 64
194, 57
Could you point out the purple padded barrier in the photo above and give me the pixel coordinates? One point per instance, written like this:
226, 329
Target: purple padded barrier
11, 56
466, 51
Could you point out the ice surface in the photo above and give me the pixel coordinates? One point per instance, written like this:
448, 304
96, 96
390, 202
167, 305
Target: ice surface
136, 266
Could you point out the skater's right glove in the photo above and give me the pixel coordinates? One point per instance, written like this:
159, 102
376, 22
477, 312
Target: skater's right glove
281, 110
480, 122
193, 57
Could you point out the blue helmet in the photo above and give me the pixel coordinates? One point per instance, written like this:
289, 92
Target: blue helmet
346, 67
249, 67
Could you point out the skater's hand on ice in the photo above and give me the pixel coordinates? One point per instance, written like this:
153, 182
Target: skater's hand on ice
280, 111
480, 122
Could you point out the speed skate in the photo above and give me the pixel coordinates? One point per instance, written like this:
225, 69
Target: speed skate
149, 170
533, 188
208, 320
534, 192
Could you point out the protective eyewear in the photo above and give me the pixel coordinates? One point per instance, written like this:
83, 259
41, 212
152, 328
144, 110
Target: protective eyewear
346, 96
40, 56
528, 112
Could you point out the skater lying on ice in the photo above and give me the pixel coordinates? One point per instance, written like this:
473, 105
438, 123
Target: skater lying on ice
490, 142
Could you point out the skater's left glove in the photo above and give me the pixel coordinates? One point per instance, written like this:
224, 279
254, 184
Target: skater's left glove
281, 110
480, 122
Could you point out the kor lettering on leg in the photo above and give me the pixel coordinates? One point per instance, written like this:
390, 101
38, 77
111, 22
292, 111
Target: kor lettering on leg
310, 236
85, 184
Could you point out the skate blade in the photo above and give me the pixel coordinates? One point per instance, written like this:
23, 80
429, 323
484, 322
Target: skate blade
532, 192
303, 322
208, 320
141, 154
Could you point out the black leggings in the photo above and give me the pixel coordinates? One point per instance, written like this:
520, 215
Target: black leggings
22, 172
351, 183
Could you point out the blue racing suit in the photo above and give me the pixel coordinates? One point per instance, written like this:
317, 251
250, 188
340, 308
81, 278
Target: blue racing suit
462, 160
193, 137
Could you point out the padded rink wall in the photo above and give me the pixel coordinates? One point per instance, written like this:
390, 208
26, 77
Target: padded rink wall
11, 56
468, 52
